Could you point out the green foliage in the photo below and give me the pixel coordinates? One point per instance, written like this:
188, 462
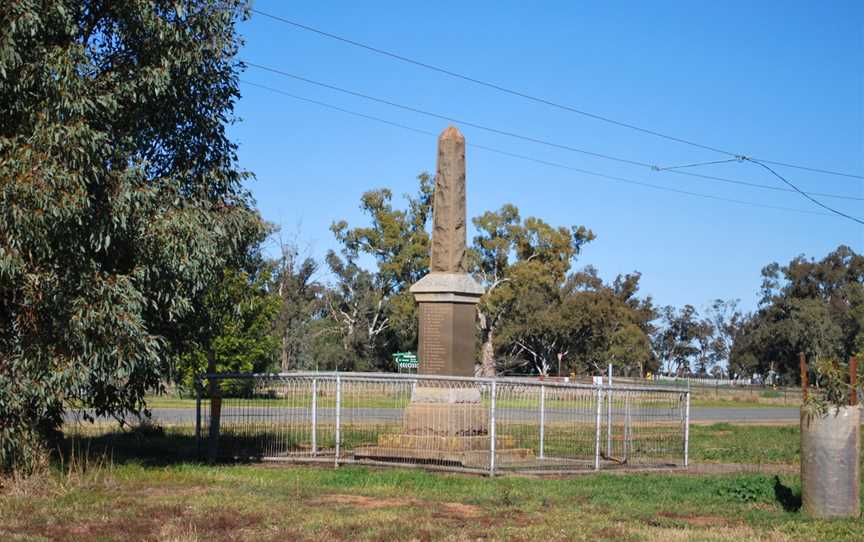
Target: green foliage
756, 488
120, 198
522, 264
590, 323
299, 324
531, 311
373, 313
239, 311
815, 307
834, 387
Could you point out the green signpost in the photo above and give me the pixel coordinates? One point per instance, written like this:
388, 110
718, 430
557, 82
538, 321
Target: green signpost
406, 361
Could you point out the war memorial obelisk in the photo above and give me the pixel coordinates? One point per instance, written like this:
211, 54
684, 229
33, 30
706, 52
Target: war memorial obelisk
447, 296
446, 420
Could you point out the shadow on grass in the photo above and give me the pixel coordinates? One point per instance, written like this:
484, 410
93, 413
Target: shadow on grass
786, 497
154, 446
146, 445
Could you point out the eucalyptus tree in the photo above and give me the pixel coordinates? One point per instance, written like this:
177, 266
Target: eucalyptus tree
522, 265
302, 306
810, 306
374, 311
120, 195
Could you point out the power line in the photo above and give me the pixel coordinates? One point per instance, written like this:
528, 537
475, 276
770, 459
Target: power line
698, 164
544, 101
523, 137
817, 202
448, 118
532, 159
759, 185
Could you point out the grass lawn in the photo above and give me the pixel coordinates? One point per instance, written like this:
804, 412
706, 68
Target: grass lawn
192, 502
145, 485
750, 444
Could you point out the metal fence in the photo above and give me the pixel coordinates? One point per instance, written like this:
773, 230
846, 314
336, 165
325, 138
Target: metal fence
473, 424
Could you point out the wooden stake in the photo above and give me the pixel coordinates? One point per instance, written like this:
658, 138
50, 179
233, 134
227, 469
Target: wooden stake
853, 380
805, 380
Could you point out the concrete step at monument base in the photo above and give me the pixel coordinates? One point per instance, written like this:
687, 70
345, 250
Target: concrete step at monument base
477, 459
457, 443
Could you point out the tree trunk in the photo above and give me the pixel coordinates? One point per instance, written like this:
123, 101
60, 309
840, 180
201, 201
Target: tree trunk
284, 364
487, 353
215, 409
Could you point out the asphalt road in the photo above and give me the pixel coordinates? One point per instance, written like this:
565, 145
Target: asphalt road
383, 415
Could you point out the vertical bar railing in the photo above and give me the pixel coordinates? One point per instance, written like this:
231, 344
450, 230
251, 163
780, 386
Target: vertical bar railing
314, 417
215, 417
198, 417
609, 399
493, 392
687, 427
338, 418
542, 418
627, 423
597, 427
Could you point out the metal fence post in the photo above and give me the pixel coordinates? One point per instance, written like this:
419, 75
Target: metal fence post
492, 431
215, 394
627, 425
338, 420
597, 427
687, 429
314, 416
198, 416
609, 398
542, 418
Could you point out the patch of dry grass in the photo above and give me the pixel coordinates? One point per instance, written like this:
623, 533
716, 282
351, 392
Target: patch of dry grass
103, 495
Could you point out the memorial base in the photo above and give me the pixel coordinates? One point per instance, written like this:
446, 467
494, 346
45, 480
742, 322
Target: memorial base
448, 426
470, 459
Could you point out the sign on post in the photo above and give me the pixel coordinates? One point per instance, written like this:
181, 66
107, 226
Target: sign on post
406, 361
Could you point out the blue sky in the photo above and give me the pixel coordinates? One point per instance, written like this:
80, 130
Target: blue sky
776, 80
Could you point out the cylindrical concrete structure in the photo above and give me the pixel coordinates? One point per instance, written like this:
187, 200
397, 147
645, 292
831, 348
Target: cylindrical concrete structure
830, 469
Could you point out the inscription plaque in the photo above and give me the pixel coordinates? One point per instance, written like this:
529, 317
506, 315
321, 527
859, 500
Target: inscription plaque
433, 352
446, 338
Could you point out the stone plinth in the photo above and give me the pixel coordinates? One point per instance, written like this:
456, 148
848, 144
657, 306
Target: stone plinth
446, 305
449, 412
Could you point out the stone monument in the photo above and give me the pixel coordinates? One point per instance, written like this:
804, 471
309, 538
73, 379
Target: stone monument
446, 421
447, 296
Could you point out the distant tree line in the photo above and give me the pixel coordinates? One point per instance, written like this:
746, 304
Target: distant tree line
541, 314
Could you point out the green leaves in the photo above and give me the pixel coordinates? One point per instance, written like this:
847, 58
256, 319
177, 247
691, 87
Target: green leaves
120, 199
809, 306
523, 264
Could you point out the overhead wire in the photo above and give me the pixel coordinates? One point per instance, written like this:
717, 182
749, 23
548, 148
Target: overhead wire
698, 164
532, 159
817, 202
524, 137
544, 101
448, 118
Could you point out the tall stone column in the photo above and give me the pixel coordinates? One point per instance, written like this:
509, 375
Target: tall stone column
446, 421
447, 299
447, 296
